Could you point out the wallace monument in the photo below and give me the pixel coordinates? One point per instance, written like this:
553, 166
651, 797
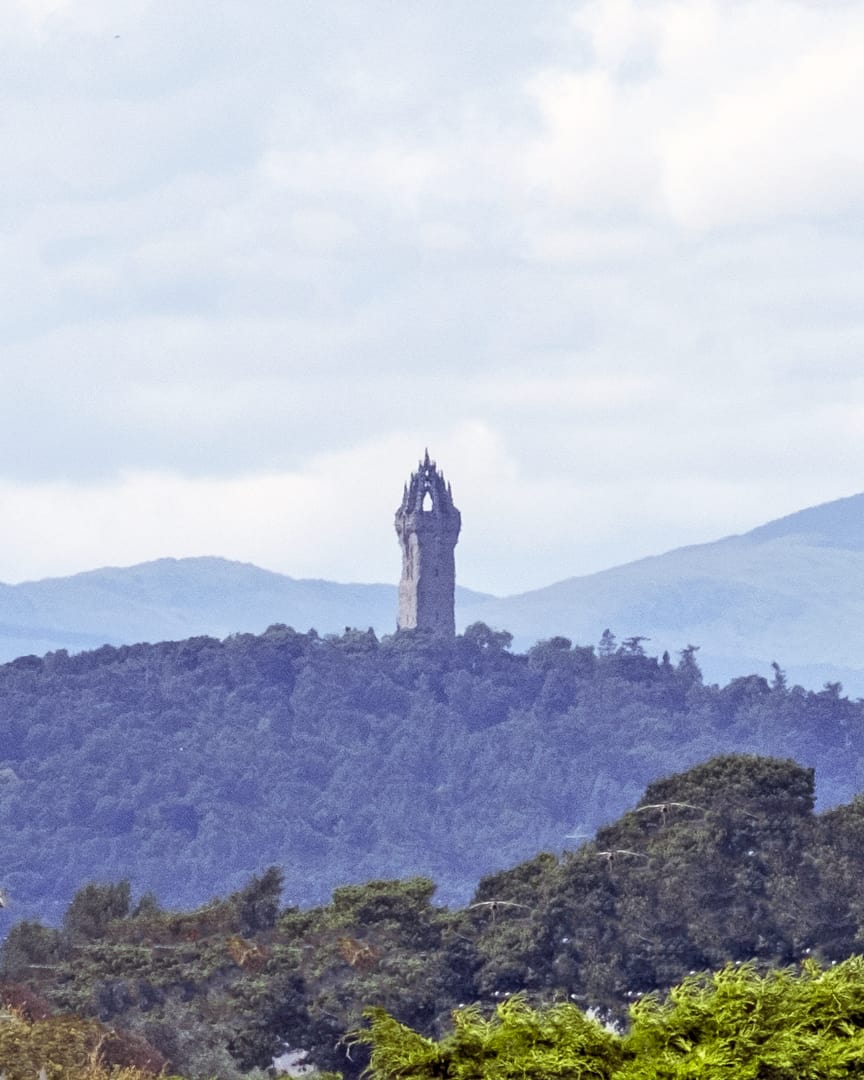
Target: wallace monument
427, 524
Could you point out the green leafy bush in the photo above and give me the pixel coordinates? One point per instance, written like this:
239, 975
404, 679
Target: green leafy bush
805, 1024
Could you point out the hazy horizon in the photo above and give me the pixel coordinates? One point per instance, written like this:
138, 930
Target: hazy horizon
393, 582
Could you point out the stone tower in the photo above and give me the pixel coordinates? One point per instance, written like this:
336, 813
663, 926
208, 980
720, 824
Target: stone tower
427, 524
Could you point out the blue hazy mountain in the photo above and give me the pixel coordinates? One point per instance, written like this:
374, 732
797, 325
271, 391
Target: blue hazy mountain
172, 599
791, 590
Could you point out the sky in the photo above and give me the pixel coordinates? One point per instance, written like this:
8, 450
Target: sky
603, 259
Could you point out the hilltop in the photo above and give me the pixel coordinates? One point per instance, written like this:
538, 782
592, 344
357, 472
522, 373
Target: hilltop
791, 590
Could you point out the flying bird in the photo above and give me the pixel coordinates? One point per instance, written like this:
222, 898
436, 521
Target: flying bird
493, 906
616, 853
664, 809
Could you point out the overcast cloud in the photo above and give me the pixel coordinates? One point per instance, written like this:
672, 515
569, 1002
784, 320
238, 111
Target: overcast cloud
603, 258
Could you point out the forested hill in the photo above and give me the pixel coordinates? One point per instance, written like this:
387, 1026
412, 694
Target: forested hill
187, 766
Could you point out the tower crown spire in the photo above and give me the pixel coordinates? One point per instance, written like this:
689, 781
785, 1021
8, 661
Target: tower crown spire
427, 491
428, 526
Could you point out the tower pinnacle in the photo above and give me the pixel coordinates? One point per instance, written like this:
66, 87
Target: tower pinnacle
427, 524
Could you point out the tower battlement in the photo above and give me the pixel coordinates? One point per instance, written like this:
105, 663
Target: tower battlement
428, 525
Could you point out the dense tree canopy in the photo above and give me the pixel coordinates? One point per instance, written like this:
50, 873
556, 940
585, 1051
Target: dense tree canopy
185, 767
725, 863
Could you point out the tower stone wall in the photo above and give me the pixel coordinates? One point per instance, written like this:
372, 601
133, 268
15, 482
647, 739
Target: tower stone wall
427, 524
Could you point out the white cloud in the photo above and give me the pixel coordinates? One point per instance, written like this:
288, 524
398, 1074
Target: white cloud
387, 171
709, 114
774, 146
32, 14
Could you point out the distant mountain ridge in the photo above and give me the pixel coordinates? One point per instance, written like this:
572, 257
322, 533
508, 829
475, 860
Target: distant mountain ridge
838, 524
791, 590
172, 599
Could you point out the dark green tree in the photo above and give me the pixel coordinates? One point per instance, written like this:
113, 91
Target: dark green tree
94, 907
